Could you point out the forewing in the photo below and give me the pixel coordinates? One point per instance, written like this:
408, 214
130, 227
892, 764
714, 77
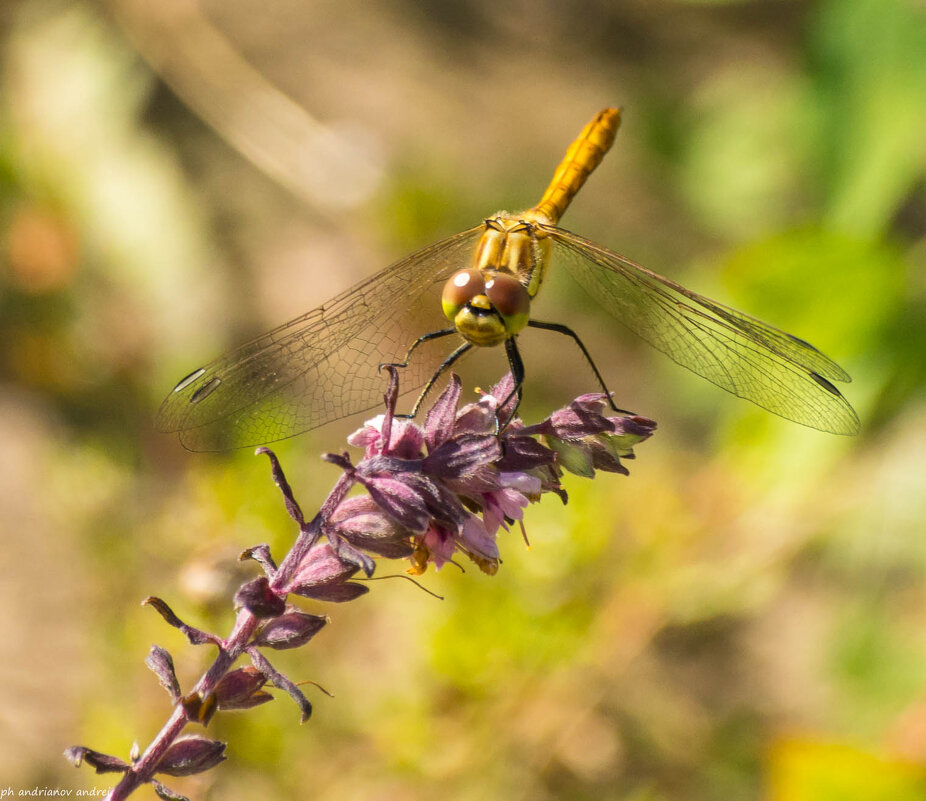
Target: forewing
739, 353
323, 365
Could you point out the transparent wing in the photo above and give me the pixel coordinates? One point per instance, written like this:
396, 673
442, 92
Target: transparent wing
323, 365
738, 353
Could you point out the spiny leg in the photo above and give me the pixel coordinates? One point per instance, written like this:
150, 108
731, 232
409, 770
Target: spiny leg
444, 332
562, 329
517, 373
437, 373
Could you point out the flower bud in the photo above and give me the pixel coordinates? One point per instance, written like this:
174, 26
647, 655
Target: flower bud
160, 662
191, 755
102, 763
241, 689
289, 631
257, 597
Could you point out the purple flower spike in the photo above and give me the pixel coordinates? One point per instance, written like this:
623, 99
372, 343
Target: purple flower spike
430, 493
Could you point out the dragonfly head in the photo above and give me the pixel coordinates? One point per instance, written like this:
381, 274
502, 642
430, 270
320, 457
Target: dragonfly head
485, 309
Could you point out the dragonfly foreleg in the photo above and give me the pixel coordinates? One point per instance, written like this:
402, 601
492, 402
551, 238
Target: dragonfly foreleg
517, 374
437, 373
562, 329
444, 332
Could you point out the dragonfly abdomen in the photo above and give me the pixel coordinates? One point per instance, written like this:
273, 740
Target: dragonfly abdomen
583, 156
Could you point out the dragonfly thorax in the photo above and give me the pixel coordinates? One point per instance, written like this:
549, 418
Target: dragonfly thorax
516, 245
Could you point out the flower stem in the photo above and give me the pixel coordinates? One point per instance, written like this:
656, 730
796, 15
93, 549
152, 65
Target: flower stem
144, 769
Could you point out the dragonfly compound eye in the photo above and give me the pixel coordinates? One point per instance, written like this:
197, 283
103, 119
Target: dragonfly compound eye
460, 289
510, 299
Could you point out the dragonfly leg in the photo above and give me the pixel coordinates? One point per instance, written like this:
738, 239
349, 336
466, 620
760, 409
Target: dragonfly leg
562, 329
444, 332
437, 373
517, 373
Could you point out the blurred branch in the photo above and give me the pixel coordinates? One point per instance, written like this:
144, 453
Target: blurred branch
262, 123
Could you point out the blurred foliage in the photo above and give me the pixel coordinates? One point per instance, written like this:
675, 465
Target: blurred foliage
741, 618
808, 770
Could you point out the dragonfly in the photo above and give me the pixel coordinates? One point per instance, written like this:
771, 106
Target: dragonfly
474, 290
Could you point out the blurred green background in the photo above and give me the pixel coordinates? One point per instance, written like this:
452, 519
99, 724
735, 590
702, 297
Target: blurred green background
744, 617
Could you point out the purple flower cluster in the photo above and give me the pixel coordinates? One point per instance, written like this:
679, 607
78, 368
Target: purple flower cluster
450, 485
430, 492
